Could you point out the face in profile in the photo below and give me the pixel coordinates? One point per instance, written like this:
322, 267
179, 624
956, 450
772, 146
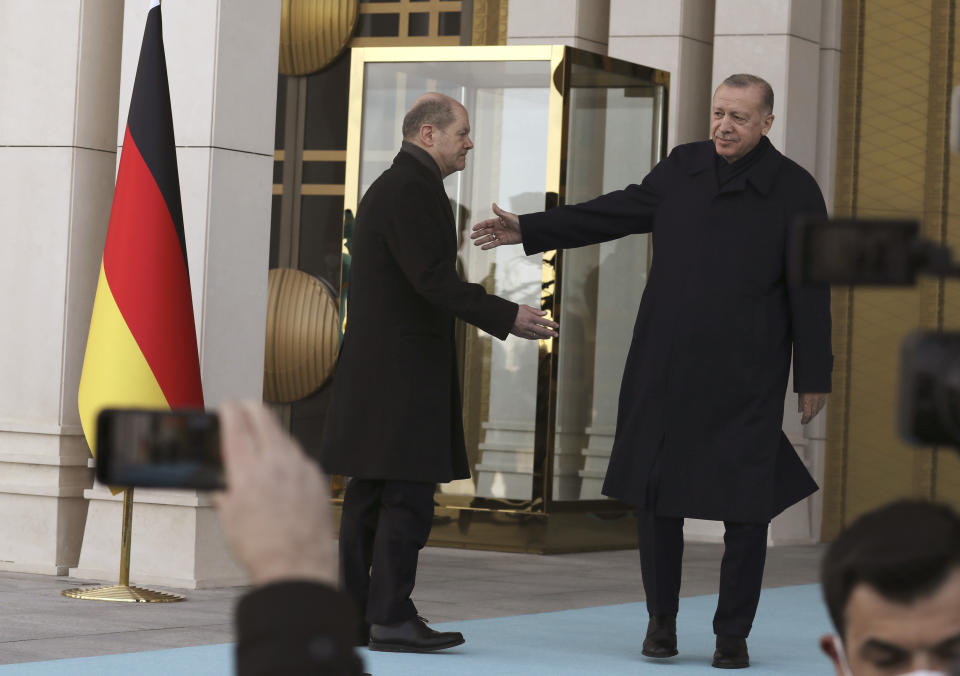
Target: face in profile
738, 120
452, 143
883, 637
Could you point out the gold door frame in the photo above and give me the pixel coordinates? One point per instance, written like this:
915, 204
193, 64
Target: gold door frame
545, 525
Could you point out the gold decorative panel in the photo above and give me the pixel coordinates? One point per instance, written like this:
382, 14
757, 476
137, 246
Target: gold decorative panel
302, 336
897, 71
489, 22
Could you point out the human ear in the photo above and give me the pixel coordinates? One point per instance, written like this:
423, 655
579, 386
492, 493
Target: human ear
767, 123
426, 135
829, 646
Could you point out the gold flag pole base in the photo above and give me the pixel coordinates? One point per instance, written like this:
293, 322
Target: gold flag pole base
123, 592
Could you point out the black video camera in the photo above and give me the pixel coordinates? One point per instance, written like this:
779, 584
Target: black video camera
891, 253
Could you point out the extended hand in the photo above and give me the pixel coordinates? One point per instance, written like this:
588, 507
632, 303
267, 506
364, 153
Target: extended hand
809, 405
532, 324
503, 229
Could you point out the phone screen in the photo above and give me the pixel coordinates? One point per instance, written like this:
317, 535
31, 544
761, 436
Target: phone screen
174, 449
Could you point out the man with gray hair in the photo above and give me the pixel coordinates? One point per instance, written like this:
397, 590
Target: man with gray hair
701, 400
394, 424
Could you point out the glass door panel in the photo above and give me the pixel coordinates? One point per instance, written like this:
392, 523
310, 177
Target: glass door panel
613, 141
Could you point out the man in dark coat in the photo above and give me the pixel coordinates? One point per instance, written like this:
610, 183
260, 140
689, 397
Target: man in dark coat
395, 421
701, 401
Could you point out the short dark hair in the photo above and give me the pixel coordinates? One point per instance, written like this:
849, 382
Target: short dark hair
904, 551
741, 80
437, 111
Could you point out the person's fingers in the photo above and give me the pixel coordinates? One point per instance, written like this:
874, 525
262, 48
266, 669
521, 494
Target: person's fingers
480, 228
268, 436
235, 438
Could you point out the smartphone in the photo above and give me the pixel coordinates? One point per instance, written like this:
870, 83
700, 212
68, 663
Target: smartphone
166, 449
881, 253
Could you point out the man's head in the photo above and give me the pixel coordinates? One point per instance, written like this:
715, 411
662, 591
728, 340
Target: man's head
439, 125
892, 585
742, 113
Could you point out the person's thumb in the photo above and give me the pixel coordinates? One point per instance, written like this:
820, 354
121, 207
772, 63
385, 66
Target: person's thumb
497, 210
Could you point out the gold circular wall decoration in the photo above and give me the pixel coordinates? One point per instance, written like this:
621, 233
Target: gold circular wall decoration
302, 337
314, 32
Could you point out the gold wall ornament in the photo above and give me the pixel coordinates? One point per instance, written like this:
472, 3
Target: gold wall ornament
314, 32
302, 339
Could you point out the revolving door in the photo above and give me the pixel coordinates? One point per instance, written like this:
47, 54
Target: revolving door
551, 125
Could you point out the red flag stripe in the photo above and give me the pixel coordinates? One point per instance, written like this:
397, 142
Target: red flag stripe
145, 267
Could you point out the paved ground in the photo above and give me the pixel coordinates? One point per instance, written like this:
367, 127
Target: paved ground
38, 623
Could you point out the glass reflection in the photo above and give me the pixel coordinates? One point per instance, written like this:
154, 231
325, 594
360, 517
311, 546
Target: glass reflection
508, 105
610, 145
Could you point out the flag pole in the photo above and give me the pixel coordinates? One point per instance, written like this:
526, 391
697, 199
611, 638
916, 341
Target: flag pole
123, 591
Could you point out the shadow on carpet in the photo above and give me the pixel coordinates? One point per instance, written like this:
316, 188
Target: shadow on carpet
603, 640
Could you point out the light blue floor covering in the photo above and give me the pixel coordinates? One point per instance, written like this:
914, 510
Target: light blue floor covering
604, 640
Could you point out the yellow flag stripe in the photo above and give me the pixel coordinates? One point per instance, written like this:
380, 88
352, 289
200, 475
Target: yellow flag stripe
115, 373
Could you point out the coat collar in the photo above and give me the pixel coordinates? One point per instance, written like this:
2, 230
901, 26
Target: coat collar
407, 159
761, 175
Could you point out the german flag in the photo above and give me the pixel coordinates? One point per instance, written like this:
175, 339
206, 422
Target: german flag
142, 345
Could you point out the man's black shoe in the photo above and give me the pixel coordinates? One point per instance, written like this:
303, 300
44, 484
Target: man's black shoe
412, 636
661, 640
731, 653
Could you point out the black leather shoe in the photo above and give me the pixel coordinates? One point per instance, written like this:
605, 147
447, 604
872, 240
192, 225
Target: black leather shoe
661, 640
731, 653
412, 636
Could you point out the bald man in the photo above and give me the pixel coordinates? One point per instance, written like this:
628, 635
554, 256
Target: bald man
394, 423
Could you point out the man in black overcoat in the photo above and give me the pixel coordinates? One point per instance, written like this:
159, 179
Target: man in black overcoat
395, 422
701, 401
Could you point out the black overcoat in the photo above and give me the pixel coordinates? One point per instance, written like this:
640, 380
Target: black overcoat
705, 378
395, 410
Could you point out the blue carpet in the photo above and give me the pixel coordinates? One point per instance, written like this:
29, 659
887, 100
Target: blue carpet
607, 640
206, 660
604, 640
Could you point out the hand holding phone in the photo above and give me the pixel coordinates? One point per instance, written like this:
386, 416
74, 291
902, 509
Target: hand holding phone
276, 509
168, 449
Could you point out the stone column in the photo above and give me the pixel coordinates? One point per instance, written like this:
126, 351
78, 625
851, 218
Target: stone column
578, 23
222, 66
675, 37
60, 69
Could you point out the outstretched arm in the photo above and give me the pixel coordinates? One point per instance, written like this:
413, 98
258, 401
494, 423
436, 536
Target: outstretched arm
615, 214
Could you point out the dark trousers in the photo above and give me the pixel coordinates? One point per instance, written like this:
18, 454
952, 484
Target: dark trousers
384, 526
741, 572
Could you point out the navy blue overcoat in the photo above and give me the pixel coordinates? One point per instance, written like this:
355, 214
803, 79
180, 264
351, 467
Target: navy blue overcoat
704, 382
